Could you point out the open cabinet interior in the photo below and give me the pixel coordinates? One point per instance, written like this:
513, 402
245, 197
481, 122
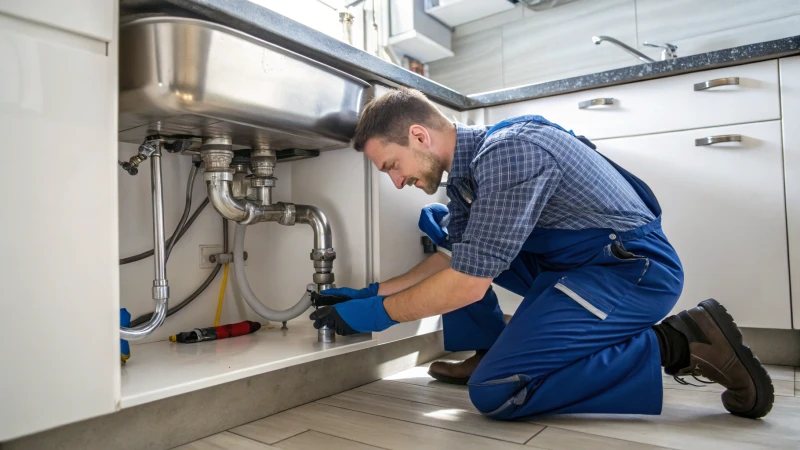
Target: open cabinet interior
375, 236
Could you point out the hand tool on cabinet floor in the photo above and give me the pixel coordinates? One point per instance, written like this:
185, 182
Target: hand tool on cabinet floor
216, 333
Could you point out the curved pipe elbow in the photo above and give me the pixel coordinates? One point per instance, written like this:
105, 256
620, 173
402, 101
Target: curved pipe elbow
156, 320
314, 216
221, 197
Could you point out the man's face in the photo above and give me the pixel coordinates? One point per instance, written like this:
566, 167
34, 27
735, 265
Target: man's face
414, 165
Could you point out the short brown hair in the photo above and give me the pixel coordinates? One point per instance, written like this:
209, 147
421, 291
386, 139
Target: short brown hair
389, 117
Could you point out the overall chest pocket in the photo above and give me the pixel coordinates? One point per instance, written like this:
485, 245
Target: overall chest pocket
461, 190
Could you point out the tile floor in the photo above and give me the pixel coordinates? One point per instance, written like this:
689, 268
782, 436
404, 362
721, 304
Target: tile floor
410, 410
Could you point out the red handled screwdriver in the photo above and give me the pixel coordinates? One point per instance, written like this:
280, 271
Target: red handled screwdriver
215, 333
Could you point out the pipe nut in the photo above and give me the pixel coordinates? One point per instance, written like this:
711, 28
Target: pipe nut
323, 254
216, 158
160, 292
218, 176
148, 147
323, 278
263, 161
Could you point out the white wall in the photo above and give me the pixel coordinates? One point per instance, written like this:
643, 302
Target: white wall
538, 46
278, 266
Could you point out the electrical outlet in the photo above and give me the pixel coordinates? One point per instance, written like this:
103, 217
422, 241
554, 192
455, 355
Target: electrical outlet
207, 250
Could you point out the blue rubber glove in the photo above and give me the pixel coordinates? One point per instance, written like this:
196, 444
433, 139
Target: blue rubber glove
356, 316
433, 222
369, 291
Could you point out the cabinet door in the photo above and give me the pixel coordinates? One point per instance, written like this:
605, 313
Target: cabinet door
790, 102
724, 213
60, 301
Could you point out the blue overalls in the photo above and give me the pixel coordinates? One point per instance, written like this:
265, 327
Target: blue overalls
581, 340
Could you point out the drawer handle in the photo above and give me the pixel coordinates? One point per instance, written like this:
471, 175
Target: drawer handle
731, 81
711, 140
595, 102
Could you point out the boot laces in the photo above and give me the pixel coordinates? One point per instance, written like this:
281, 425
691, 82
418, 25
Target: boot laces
695, 373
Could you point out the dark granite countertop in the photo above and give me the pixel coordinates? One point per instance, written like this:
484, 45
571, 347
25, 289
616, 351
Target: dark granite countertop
263, 23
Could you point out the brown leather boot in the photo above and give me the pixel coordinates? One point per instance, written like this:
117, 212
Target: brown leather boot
456, 373
718, 353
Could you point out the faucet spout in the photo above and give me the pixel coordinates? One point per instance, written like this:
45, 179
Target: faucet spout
646, 59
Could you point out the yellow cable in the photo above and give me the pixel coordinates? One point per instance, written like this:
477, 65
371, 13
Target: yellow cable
221, 295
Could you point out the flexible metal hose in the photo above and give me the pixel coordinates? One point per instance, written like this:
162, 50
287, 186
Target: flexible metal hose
182, 227
186, 208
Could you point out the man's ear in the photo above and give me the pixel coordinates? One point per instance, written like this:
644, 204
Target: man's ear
419, 134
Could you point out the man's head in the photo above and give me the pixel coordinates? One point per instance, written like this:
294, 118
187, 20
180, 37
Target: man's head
404, 135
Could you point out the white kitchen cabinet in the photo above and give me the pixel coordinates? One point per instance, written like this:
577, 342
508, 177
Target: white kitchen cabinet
790, 103
661, 105
723, 210
58, 118
93, 18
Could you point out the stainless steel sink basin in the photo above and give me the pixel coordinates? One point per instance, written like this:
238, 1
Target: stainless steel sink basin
186, 77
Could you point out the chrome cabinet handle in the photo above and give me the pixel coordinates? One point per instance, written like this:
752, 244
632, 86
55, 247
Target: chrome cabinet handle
731, 81
595, 102
711, 140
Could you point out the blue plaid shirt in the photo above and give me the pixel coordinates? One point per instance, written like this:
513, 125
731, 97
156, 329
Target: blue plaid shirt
529, 175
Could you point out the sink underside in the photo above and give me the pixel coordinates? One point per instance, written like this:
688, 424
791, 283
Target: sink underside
189, 78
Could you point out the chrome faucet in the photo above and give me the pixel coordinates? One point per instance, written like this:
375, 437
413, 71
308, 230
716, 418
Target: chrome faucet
667, 53
598, 39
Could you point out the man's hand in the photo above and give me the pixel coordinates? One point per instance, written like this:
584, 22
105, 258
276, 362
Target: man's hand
318, 299
350, 293
354, 316
433, 222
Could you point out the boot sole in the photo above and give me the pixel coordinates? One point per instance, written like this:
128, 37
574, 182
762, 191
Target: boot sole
448, 380
765, 392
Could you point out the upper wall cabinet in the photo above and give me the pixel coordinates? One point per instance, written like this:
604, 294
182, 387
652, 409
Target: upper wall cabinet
739, 94
458, 12
790, 102
93, 18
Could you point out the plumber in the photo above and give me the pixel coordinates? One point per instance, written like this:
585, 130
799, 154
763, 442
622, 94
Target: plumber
537, 210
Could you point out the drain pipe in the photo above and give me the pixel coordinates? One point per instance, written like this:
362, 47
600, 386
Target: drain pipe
217, 155
160, 283
322, 255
